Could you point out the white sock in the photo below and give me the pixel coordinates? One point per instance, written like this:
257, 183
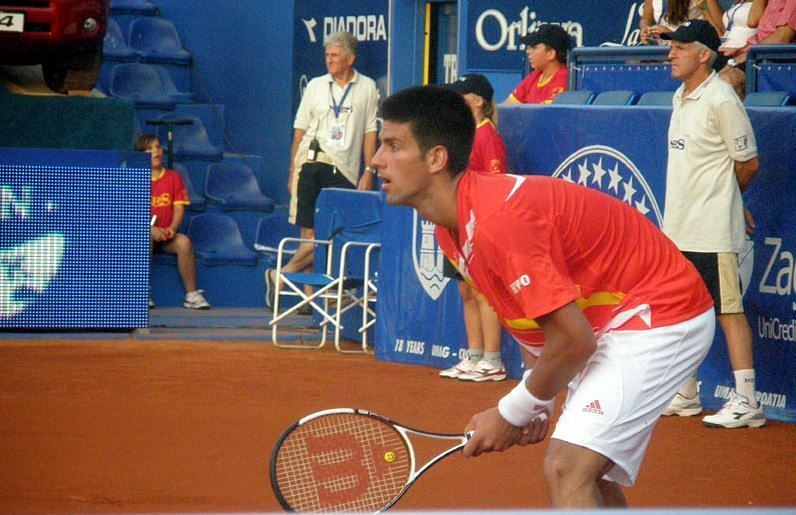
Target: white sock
745, 384
475, 354
492, 356
689, 390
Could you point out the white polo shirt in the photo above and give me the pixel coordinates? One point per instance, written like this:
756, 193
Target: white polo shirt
338, 119
708, 132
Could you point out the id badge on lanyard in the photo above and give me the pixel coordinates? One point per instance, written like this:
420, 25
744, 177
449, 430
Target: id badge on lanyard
337, 129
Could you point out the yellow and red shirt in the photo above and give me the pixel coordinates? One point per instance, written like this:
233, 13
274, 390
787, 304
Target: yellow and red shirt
532, 244
533, 90
489, 151
168, 190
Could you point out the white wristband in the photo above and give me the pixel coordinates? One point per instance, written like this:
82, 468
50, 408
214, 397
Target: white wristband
519, 407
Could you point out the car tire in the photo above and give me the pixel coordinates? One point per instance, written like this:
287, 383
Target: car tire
77, 74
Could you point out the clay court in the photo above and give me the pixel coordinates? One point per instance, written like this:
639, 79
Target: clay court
130, 425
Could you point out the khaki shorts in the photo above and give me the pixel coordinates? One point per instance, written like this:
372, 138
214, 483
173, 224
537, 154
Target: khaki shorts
721, 273
293, 208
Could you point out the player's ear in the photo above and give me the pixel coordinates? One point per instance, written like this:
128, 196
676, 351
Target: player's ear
437, 159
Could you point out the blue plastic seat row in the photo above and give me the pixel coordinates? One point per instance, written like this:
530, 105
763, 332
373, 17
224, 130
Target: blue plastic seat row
606, 98
229, 184
658, 98
232, 185
150, 39
147, 86
217, 238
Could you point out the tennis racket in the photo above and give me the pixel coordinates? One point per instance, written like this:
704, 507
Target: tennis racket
345, 459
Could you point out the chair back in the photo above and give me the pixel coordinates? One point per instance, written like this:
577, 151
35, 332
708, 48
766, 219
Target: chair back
766, 99
623, 97
578, 97
190, 141
232, 184
217, 240
114, 45
656, 98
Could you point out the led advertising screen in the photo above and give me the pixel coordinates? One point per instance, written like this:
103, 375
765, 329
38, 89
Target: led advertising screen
74, 247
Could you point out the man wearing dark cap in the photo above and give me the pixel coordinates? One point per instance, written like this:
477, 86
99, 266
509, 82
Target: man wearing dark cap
547, 49
712, 160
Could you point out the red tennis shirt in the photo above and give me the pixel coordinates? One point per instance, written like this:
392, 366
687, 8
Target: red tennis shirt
531, 244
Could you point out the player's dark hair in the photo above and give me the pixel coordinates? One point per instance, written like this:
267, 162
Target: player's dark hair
436, 116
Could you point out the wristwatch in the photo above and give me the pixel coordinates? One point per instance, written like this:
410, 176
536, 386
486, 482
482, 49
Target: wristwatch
371, 170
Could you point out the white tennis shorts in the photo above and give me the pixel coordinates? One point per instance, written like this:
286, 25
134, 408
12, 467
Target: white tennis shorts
614, 403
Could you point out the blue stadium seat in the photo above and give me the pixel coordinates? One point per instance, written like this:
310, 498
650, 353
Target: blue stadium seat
217, 240
232, 185
656, 98
766, 99
139, 7
579, 97
156, 41
180, 97
114, 46
619, 97
141, 84
270, 231
190, 141
198, 202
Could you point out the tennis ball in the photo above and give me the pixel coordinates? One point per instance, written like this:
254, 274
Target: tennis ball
389, 456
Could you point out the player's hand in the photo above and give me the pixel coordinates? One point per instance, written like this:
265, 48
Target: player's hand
491, 433
536, 430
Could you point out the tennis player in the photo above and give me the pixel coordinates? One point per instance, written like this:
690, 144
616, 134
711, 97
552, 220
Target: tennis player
601, 302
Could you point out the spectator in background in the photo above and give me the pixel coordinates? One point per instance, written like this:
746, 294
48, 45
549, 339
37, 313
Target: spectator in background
488, 156
547, 49
334, 130
777, 27
738, 23
662, 16
169, 199
712, 160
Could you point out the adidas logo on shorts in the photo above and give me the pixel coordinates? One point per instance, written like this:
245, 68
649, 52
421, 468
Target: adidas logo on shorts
594, 407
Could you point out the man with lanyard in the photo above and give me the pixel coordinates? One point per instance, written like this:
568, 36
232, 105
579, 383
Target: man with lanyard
334, 131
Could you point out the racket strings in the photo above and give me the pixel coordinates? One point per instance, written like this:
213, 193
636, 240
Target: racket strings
342, 462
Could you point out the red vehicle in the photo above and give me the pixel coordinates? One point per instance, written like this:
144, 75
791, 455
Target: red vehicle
64, 36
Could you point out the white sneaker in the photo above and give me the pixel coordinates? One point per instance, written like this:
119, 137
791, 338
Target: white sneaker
486, 371
683, 406
465, 366
195, 300
736, 413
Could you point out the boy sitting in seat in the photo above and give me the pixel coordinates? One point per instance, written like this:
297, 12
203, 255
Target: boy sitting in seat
169, 199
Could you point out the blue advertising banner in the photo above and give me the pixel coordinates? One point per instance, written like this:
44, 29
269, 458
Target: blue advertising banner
74, 241
494, 28
620, 151
315, 20
419, 313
